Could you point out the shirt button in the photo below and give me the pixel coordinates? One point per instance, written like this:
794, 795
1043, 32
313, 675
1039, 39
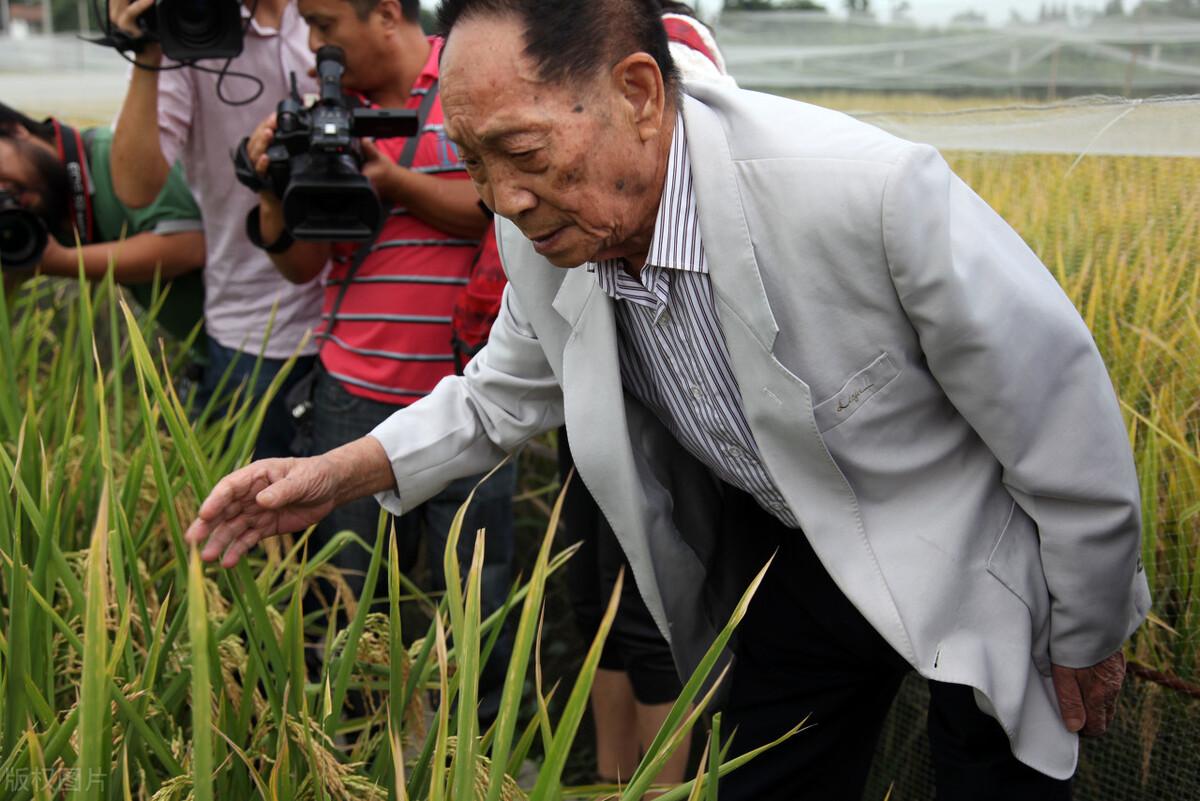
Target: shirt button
697, 393
734, 452
664, 317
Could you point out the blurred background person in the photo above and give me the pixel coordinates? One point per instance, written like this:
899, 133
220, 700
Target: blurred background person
386, 339
173, 113
37, 160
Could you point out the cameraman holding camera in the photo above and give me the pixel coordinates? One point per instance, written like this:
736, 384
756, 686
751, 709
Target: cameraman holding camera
387, 340
193, 113
61, 176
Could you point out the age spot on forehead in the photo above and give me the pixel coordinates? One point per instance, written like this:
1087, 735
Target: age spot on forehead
578, 109
621, 185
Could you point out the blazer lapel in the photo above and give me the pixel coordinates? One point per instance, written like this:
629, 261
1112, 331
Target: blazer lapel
777, 403
595, 411
574, 293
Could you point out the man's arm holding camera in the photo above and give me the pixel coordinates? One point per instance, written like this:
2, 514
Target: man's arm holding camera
302, 261
139, 166
449, 206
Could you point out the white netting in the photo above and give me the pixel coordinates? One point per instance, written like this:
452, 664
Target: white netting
1132, 84
1113, 55
1094, 125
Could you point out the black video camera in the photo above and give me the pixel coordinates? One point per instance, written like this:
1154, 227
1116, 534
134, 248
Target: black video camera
316, 159
23, 235
188, 30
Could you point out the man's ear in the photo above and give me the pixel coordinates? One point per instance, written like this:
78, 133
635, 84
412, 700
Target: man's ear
390, 13
640, 83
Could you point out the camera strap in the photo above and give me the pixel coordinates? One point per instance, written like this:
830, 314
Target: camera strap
405, 160
74, 156
410, 147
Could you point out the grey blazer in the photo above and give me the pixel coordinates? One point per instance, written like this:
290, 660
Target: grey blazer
924, 394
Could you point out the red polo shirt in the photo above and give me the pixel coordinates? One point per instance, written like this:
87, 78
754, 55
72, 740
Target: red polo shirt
391, 342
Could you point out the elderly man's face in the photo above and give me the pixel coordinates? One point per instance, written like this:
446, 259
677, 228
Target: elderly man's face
575, 167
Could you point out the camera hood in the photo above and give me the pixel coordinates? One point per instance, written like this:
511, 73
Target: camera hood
191, 30
23, 235
334, 207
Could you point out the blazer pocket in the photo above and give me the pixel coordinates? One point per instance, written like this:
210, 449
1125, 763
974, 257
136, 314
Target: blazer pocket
1016, 562
854, 394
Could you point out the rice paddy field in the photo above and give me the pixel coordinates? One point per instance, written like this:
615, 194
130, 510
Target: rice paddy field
130, 671
1122, 235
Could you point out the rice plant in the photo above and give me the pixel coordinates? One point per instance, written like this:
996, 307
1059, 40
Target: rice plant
129, 670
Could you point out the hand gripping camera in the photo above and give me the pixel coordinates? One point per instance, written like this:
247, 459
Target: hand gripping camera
188, 30
316, 159
23, 235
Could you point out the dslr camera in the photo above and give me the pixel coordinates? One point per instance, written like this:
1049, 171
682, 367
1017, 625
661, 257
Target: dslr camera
316, 159
23, 235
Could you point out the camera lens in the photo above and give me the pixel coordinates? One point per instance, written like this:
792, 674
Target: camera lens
200, 29
22, 239
192, 22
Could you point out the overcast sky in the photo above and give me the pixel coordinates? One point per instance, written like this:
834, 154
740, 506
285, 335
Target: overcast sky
939, 11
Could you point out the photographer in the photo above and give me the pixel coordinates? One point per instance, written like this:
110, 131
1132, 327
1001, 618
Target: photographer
387, 341
37, 160
191, 111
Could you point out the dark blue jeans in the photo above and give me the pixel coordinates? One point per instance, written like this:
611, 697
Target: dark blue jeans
340, 417
278, 428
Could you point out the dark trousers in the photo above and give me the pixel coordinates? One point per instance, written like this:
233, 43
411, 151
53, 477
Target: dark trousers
804, 651
634, 645
340, 417
278, 427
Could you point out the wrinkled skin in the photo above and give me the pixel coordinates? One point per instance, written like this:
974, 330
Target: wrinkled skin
577, 167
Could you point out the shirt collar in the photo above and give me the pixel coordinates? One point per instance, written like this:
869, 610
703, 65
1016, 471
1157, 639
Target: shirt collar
676, 244
287, 21
429, 72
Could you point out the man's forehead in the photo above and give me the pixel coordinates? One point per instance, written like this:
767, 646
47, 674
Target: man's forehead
10, 153
487, 52
322, 8
495, 127
500, 96
16, 166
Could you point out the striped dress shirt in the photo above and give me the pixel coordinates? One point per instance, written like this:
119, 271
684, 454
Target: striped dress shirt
672, 352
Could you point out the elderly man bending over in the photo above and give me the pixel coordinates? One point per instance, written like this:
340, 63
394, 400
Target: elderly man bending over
771, 328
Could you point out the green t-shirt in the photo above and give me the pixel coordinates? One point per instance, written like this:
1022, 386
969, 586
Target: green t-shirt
173, 211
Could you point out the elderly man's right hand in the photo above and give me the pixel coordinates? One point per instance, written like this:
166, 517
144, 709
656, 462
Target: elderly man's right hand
268, 497
281, 496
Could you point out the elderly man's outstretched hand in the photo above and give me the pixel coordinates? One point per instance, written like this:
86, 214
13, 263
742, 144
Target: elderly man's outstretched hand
1087, 697
280, 496
272, 496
